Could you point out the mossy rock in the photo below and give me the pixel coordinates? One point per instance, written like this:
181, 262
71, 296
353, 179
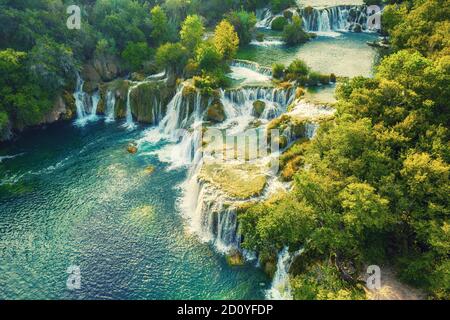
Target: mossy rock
240, 181
90, 87
148, 99
285, 85
101, 105
235, 259
132, 148
71, 109
136, 76
308, 10
260, 37
215, 112
356, 28
299, 93
120, 89
258, 108
149, 170
189, 91
268, 261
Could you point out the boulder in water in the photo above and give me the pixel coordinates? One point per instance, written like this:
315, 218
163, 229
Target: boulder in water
235, 259
215, 112
132, 148
258, 108
356, 28
299, 93
150, 169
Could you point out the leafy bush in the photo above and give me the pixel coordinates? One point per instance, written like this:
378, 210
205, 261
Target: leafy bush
278, 70
296, 69
279, 23
294, 34
314, 78
244, 23
135, 54
280, 5
172, 56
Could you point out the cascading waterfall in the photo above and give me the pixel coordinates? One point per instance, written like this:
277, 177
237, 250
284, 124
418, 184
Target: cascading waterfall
265, 17
281, 289
110, 106
203, 206
338, 18
252, 66
129, 124
95, 99
335, 18
85, 104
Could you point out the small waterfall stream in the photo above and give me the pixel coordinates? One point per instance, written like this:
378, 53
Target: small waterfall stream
281, 289
129, 124
110, 106
329, 19
86, 105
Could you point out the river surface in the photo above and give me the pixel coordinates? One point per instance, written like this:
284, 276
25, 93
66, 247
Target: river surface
342, 53
75, 197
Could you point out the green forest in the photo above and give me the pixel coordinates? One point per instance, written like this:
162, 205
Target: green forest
371, 188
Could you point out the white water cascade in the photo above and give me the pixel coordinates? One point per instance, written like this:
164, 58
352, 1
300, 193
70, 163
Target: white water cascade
203, 206
323, 19
110, 106
267, 71
129, 124
337, 18
86, 105
265, 17
281, 289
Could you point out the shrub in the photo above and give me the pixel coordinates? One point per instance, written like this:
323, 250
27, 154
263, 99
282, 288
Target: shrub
296, 69
293, 33
260, 37
324, 79
135, 54
279, 23
314, 79
333, 78
278, 70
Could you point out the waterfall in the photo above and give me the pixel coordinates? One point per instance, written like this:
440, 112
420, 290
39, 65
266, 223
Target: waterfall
207, 209
337, 18
252, 66
265, 17
80, 101
129, 124
281, 289
110, 106
85, 104
95, 100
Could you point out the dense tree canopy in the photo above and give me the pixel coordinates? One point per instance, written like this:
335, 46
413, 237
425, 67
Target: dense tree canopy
376, 184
